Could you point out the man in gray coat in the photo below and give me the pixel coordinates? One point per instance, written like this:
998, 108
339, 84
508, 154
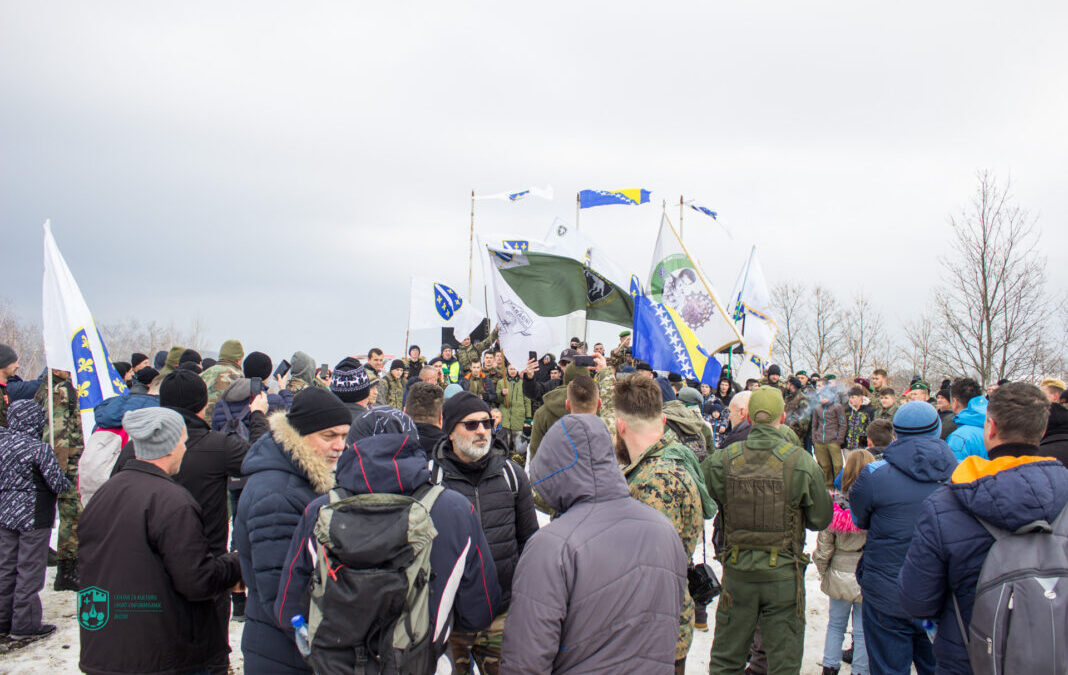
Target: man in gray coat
560, 620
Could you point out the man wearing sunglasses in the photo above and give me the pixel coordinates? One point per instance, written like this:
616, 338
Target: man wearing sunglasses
468, 461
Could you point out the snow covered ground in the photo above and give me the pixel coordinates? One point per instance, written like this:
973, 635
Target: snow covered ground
59, 652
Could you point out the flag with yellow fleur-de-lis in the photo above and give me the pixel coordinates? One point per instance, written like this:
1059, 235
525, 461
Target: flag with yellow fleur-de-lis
71, 340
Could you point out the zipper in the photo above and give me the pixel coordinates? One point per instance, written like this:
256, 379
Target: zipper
478, 507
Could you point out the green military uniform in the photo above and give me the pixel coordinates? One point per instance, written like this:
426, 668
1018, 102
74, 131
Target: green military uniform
664, 484
394, 389
769, 490
799, 413
516, 410
689, 427
882, 413
606, 382
473, 352
780, 385
621, 355
66, 426
485, 645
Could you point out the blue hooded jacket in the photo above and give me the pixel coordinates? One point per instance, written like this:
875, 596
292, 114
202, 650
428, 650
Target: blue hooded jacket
396, 463
886, 500
967, 439
950, 545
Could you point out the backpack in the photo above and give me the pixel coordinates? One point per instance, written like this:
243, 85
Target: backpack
1020, 618
370, 590
235, 425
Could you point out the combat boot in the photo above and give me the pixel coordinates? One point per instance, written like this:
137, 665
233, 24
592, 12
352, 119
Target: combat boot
66, 576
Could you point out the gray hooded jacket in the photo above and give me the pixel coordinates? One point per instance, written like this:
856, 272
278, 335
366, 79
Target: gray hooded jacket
599, 589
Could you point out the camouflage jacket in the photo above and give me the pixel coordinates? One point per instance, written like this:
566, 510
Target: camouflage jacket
668, 487
780, 385
473, 352
606, 381
394, 391
799, 413
619, 357
218, 378
66, 421
296, 385
882, 413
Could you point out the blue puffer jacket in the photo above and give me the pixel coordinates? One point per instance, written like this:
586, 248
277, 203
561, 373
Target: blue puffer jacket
284, 476
108, 415
886, 499
459, 558
950, 546
967, 439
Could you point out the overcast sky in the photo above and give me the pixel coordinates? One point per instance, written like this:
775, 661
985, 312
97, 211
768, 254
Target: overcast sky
278, 170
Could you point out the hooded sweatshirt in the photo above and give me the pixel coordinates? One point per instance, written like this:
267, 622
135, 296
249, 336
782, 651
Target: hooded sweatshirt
885, 500
949, 546
967, 439
30, 477
600, 588
459, 558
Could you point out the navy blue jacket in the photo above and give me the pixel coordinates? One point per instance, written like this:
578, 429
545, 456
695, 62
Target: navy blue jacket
396, 463
284, 476
949, 547
886, 500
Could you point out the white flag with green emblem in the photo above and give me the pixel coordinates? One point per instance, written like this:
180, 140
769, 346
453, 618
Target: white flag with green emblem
520, 329
676, 281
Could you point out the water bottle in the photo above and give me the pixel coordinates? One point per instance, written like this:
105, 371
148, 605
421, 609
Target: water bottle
929, 625
300, 630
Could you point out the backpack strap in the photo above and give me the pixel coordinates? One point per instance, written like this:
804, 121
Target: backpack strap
428, 494
510, 478
960, 619
1060, 524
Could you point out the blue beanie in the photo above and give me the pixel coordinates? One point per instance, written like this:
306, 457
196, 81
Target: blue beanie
917, 418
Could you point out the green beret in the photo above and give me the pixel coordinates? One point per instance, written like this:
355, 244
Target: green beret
624, 333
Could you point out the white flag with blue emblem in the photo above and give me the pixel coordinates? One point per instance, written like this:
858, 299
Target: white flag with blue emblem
519, 195
436, 304
71, 340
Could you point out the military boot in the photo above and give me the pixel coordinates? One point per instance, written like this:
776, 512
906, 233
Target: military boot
66, 576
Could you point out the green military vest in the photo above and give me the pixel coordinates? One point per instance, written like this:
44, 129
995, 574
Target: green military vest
757, 514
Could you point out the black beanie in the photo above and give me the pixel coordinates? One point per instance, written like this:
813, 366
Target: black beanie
257, 364
191, 366
207, 363
190, 355
460, 406
7, 356
137, 358
183, 389
146, 375
121, 367
397, 363
774, 370
315, 409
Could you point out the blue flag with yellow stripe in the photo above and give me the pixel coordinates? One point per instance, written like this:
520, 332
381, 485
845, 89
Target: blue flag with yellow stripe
665, 342
630, 197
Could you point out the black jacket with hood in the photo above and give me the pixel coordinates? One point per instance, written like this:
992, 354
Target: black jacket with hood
504, 504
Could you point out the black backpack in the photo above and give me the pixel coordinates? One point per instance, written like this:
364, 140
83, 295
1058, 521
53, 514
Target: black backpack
237, 426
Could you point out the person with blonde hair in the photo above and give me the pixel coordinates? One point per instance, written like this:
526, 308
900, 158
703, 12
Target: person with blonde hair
838, 548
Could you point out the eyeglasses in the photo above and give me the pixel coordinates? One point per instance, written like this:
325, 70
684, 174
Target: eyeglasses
473, 425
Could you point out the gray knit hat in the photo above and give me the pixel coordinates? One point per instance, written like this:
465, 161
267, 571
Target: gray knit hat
154, 431
7, 356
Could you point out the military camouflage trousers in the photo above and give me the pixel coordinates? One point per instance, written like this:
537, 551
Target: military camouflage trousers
70, 509
483, 647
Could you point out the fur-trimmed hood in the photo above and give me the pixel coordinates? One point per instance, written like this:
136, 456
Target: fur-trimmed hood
284, 449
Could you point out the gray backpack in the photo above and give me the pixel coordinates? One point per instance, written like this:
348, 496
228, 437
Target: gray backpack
1020, 618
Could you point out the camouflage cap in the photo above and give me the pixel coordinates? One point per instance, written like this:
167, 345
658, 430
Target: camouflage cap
766, 405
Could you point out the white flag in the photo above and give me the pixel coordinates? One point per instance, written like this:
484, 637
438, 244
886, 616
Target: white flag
521, 331
676, 281
751, 304
435, 305
565, 239
519, 195
71, 340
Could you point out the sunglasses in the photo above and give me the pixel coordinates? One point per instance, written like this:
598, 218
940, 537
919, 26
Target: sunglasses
473, 425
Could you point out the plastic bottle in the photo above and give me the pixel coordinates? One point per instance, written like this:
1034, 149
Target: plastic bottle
300, 630
929, 625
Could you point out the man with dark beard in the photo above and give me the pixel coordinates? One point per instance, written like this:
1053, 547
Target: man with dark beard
499, 489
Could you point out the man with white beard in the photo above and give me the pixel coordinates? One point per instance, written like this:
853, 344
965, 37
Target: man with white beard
467, 461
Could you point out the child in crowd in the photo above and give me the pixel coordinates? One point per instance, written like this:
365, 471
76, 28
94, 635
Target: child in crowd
838, 548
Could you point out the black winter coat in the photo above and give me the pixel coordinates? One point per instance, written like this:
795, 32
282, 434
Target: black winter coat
429, 437
142, 543
211, 457
500, 492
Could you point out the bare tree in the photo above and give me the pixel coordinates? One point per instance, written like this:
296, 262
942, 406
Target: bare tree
863, 334
921, 338
22, 336
822, 343
126, 337
787, 300
992, 305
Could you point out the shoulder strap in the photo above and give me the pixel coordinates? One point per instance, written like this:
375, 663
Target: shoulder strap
960, 619
430, 494
510, 478
1060, 524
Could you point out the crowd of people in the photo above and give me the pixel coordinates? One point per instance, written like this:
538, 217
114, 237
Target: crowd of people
383, 516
